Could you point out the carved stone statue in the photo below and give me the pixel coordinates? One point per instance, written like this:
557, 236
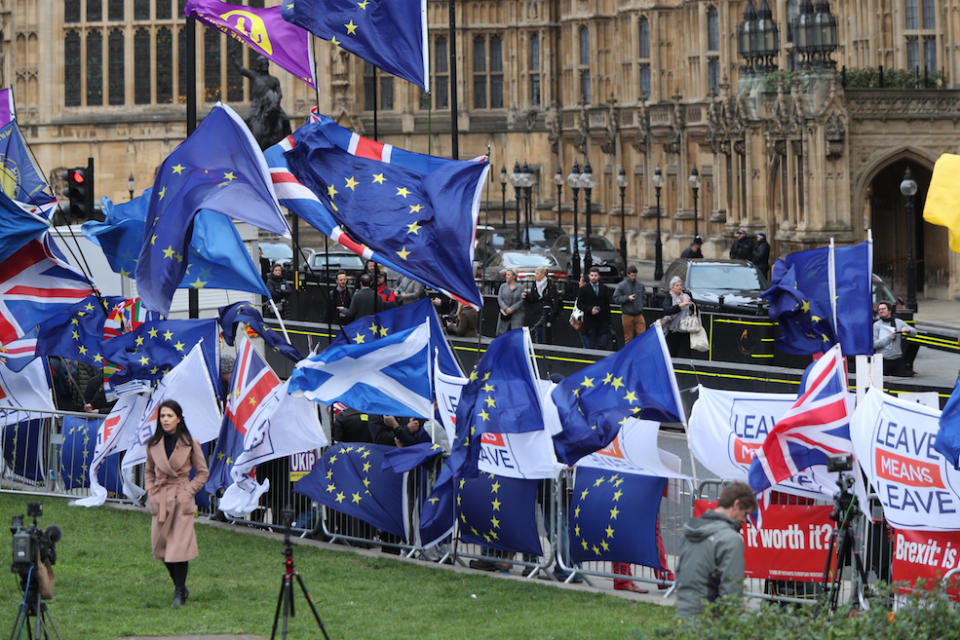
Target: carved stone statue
266, 118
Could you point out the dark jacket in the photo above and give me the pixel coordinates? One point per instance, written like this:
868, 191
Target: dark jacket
690, 252
466, 324
339, 298
711, 562
587, 300
761, 257
535, 305
361, 305
621, 296
742, 249
351, 425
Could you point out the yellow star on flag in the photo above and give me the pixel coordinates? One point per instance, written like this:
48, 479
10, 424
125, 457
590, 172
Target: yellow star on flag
488, 388
351, 184
416, 208
139, 341
167, 335
587, 382
163, 192
403, 192
631, 397
229, 176
351, 28
168, 252
178, 169
340, 496
617, 383
332, 191
403, 253
491, 402
153, 332
609, 531
334, 41
363, 5
414, 228
359, 338
198, 283
378, 178
179, 346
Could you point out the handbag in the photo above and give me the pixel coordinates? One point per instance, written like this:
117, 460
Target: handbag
690, 323
699, 340
576, 317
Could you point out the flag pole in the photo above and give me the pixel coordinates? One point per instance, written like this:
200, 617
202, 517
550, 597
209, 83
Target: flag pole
273, 306
454, 127
193, 294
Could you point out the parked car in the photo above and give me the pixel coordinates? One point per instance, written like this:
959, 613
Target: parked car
489, 242
522, 261
882, 293
731, 285
340, 259
277, 252
542, 236
604, 255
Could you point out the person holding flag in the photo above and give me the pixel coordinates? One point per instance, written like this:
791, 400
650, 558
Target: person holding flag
171, 455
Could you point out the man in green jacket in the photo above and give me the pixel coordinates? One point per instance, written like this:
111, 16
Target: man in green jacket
711, 556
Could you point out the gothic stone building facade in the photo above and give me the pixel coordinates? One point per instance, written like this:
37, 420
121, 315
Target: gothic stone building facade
635, 84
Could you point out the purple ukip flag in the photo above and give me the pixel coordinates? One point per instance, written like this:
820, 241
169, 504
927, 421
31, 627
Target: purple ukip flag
263, 30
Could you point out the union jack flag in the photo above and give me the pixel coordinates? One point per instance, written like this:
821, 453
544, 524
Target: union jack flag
251, 382
815, 427
35, 283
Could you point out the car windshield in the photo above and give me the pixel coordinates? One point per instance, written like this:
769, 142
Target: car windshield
276, 251
882, 293
544, 237
597, 243
732, 277
338, 261
516, 259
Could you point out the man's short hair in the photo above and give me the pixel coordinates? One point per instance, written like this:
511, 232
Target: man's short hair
632, 268
366, 280
737, 491
594, 270
891, 306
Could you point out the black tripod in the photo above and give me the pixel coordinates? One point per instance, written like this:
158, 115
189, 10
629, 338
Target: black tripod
32, 606
843, 544
285, 598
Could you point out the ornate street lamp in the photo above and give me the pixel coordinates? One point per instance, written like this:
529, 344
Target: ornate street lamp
588, 182
516, 179
573, 180
825, 28
805, 33
131, 184
766, 39
908, 187
745, 37
503, 196
559, 180
695, 185
658, 257
527, 184
622, 185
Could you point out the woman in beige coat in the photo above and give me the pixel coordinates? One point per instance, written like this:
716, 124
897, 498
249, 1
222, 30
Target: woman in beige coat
171, 455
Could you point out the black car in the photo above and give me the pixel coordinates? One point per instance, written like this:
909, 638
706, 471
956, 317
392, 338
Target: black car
339, 259
603, 254
729, 285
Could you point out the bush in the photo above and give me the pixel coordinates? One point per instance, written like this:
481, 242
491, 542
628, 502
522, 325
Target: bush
869, 78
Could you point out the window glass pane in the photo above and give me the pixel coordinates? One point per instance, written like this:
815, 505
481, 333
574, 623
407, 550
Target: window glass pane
645, 81
910, 14
479, 54
496, 92
71, 12
115, 10
713, 75
713, 30
141, 9
440, 90
115, 70
929, 15
792, 13
235, 51
479, 92
71, 69
255, 3
535, 89
584, 46
94, 68
930, 53
496, 54
211, 65
181, 65
164, 66
644, 37
440, 56
141, 70
534, 52
424, 100
386, 94
913, 53
180, 5
94, 10
163, 9
585, 86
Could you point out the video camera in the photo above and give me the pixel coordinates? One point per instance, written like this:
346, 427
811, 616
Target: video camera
845, 506
32, 545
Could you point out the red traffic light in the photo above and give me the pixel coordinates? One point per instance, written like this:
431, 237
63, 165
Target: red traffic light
77, 176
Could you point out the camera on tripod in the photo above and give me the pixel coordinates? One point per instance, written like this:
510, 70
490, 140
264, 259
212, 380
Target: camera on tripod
844, 501
34, 550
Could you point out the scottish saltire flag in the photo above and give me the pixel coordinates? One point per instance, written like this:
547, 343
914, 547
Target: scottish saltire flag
22, 443
613, 516
217, 258
432, 241
948, 437
384, 323
76, 333
389, 35
815, 427
389, 376
349, 479
111, 435
248, 314
500, 513
822, 297
593, 403
27, 389
219, 167
263, 30
155, 347
76, 454
251, 383
19, 177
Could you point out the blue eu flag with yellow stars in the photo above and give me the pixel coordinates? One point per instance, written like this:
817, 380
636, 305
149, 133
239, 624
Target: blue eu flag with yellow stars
349, 478
76, 452
594, 403
499, 512
155, 347
501, 397
76, 332
389, 34
219, 168
805, 323
614, 517
248, 314
419, 221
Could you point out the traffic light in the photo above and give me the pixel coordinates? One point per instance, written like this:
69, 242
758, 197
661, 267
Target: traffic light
80, 191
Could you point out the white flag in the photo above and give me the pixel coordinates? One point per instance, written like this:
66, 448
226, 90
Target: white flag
27, 388
635, 450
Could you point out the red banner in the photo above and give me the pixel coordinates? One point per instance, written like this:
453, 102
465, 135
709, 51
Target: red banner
792, 544
926, 555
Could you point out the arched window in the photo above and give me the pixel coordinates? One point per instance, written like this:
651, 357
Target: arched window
584, 38
164, 66
534, 69
235, 50
115, 67
141, 70
792, 13
643, 38
211, 65
71, 68
94, 10
584, 46
94, 68
713, 30
910, 14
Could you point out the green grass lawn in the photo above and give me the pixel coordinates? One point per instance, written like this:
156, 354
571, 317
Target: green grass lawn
109, 586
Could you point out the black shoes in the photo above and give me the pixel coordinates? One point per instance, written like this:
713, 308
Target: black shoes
180, 596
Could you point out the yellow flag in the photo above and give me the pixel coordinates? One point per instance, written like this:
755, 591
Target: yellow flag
943, 197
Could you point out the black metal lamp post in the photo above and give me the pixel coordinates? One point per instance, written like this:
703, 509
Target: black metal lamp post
745, 37
658, 257
766, 39
131, 184
503, 196
527, 184
573, 180
695, 185
558, 180
622, 185
515, 180
908, 187
588, 182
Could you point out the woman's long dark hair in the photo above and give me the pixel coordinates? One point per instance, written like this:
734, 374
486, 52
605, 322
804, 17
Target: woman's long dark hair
181, 433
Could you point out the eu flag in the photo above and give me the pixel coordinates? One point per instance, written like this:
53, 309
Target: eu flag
349, 479
248, 314
22, 443
502, 396
19, 177
803, 327
614, 517
948, 437
593, 403
391, 35
76, 332
854, 298
420, 222
499, 512
76, 453
219, 168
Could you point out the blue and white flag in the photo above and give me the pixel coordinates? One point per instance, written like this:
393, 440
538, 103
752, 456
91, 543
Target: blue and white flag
19, 176
389, 376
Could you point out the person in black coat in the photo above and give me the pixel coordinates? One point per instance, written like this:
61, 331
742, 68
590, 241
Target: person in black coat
694, 250
279, 290
363, 302
340, 297
761, 254
594, 300
742, 248
541, 306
